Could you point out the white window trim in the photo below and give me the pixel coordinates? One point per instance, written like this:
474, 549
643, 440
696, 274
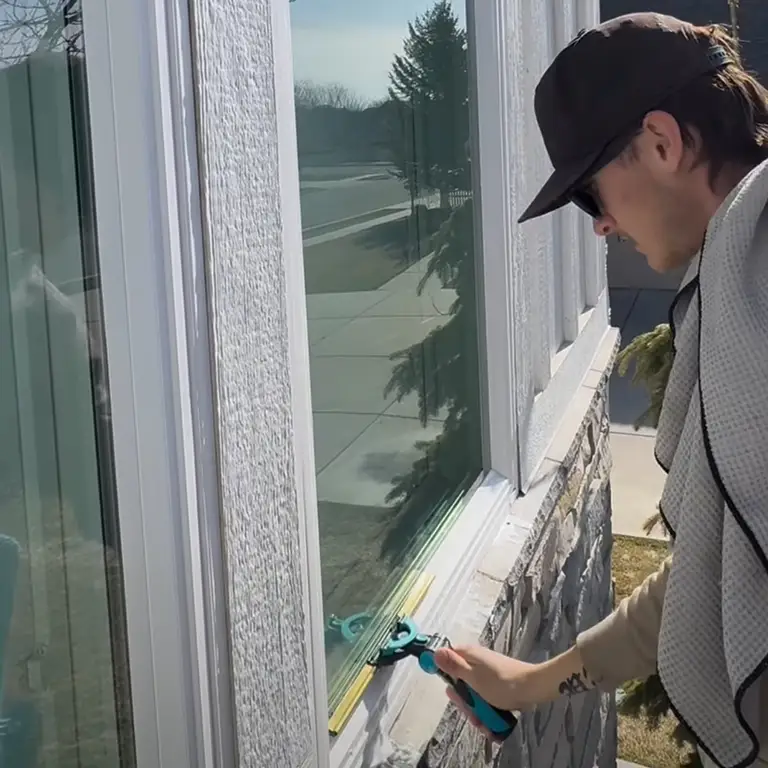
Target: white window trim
546, 378
491, 155
563, 14
298, 343
593, 249
569, 367
137, 60
503, 340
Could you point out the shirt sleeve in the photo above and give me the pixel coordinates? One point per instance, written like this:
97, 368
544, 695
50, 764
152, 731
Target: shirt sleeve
624, 646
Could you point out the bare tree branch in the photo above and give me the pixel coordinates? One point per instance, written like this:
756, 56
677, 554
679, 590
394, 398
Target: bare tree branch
310, 95
34, 26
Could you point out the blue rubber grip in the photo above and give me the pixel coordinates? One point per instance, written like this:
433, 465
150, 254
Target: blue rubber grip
499, 722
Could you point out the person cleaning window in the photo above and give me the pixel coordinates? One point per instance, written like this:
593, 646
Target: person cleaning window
656, 131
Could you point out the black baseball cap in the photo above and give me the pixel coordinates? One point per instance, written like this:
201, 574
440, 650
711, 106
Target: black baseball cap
600, 86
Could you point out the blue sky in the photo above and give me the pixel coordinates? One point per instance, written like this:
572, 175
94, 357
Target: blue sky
353, 42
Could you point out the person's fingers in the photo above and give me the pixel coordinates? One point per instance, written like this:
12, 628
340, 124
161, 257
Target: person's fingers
452, 663
475, 655
458, 702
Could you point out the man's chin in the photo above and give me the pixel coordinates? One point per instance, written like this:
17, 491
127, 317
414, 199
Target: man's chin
657, 264
663, 263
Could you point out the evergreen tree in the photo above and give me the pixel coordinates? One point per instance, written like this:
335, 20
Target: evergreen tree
429, 84
443, 370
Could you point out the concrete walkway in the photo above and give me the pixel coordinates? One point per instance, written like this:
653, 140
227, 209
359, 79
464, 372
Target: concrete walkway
637, 479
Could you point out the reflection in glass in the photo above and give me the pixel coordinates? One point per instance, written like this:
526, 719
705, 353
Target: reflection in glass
64, 692
382, 109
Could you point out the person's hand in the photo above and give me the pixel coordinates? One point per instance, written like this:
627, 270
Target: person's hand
510, 684
500, 680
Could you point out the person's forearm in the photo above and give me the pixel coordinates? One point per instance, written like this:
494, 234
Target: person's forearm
565, 675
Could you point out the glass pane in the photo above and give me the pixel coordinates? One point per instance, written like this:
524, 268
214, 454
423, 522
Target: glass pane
64, 687
383, 120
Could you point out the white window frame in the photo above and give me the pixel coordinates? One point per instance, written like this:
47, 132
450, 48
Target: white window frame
150, 249
486, 507
594, 250
569, 273
520, 421
547, 377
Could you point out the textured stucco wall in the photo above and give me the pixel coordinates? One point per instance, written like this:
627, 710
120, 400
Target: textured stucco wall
261, 524
534, 598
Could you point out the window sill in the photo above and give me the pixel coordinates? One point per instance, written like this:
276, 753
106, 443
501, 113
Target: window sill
452, 566
490, 544
562, 354
572, 363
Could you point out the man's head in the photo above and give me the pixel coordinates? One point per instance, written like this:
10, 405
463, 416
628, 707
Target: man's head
649, 122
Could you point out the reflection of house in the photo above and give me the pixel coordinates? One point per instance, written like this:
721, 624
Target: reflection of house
294, 373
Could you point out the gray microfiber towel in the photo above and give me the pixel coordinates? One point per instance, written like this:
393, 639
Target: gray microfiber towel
713, 441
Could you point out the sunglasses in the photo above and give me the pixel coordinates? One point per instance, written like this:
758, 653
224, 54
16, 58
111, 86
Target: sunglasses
585, 201
584, 196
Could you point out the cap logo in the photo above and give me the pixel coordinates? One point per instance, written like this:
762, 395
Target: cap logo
717, 56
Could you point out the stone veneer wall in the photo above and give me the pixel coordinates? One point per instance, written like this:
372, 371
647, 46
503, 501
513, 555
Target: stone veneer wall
560, 585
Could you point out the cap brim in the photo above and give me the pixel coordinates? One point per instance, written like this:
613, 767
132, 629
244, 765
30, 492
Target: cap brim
556, 192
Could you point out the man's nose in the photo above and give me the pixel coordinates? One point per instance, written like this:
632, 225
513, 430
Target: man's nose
604, 226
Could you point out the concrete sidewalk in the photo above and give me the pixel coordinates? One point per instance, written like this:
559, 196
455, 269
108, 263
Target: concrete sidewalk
637, 480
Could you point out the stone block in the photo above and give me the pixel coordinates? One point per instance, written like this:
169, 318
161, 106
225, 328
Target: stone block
527, 632
607, 749
469, 751
544, 732
542, 571
563, 752
587, 731
503, 641
514, 753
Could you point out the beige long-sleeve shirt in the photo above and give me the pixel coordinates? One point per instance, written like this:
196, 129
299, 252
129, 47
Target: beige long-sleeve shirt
624, 646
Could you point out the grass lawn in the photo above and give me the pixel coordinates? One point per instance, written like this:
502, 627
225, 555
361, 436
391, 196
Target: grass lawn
633, 560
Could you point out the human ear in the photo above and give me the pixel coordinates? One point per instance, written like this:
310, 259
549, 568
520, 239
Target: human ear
664, 138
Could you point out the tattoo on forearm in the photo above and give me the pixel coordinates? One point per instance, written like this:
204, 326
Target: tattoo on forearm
578, 682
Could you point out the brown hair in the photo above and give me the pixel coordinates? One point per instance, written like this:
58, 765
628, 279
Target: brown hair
728, 109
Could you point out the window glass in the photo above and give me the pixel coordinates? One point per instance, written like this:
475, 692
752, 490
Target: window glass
64, 689
383, 123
